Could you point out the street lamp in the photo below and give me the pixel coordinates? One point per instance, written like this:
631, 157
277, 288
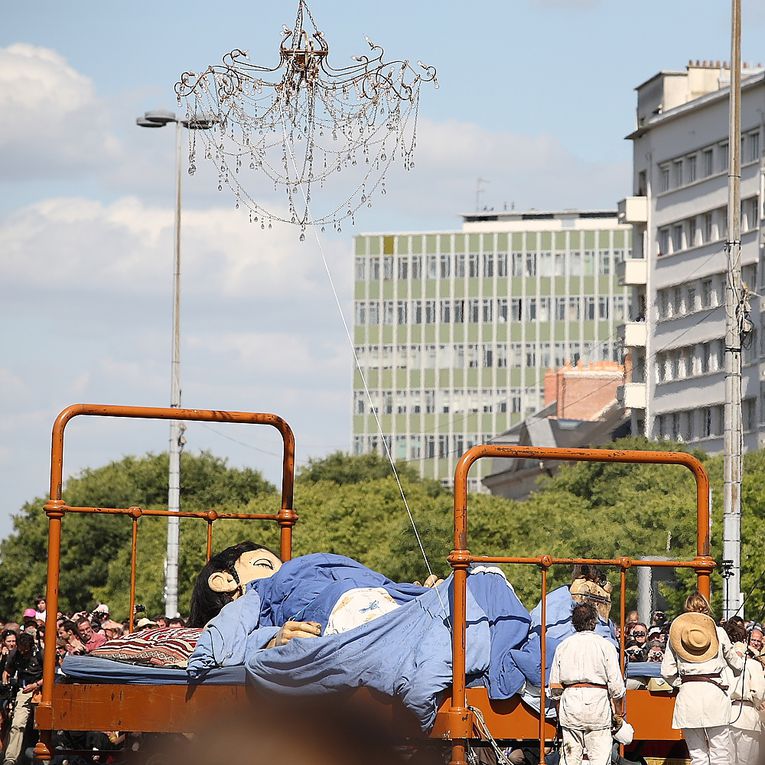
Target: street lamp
158, 119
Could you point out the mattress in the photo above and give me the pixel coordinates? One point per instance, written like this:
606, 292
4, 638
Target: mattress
92, 669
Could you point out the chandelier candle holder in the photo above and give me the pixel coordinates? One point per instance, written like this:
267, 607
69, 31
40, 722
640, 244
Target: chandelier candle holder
303, 124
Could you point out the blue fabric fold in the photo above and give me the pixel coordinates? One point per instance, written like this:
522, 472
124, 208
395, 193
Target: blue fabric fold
405, 653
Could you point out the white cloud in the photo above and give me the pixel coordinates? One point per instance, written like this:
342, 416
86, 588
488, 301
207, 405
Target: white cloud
534, 171
83, 246
53, 123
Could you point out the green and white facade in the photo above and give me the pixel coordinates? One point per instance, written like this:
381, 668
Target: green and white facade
454, 330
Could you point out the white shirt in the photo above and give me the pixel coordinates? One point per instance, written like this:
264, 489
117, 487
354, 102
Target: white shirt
748, 687
700, 704
585, 657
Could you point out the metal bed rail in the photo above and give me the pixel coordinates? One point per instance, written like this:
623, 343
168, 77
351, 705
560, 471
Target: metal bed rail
460, 723
55, 508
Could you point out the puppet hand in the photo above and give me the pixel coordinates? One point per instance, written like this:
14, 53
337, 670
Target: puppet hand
432, 581
292, 630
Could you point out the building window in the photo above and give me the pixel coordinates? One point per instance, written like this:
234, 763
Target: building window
690, 168
517, 263
430, 311
361, 269
677, 237
708, 298
663, 301
752, 147
416, 266
663, 241
707, 230
516, 309
445, 269
749, 217
664, 177
501, 264
502, 310
603, 312
693, 230
458, 314
748, 413
604, 262
459, 266
690, 299
488, 264
374, 269
677, 173
531, 264
473, 264
487, 309
401, 312
403, 268
360, 313
387, 268
722, 156
707, 162
431, 264
676, 309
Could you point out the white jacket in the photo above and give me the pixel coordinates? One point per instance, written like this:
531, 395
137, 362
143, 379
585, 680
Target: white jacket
585, 657
702, 704
747, 692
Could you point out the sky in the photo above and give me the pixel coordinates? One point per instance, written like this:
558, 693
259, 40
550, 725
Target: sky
535, 96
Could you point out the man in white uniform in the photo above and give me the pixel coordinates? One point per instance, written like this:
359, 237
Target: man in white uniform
585, 676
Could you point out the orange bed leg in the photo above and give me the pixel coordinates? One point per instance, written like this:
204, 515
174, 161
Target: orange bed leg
459, 753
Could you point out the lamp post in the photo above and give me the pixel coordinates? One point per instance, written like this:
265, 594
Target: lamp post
158, 119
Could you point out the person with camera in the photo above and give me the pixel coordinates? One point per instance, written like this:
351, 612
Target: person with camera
637, 643
24, 668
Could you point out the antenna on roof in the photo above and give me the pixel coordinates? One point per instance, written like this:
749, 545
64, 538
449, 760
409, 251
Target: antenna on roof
478, 191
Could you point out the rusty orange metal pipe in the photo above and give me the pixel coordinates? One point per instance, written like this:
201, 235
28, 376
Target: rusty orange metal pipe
133, 567
702, 563
55, 509
543, 663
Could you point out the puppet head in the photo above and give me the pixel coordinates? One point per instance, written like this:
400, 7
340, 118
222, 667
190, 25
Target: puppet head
224, 577
590, 585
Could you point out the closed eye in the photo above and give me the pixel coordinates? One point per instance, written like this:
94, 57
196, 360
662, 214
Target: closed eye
264, 562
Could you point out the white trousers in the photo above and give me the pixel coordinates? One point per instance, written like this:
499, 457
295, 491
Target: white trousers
745, 746
709, 746
597, 744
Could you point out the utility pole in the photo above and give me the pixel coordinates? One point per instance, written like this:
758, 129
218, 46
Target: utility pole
734, 319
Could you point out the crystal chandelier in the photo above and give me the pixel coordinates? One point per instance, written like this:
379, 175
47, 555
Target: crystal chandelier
303, 124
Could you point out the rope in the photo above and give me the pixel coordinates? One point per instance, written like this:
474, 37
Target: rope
360, 370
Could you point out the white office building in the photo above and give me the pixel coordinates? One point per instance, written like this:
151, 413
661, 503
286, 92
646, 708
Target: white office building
676, 272
454, 330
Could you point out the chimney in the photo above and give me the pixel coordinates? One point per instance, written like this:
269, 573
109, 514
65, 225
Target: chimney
550, 386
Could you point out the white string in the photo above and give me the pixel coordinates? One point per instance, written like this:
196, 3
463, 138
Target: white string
361, 372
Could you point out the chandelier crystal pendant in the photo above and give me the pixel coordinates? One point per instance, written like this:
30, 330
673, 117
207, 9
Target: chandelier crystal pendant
303, 124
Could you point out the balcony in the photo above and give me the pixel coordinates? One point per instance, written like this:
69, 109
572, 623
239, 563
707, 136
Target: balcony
633, 334
632, 395
633, 210
632, 272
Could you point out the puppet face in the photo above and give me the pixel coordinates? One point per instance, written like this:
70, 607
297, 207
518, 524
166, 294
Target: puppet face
251, 565
256, 564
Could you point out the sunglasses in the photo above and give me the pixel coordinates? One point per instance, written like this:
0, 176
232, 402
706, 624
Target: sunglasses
639, 634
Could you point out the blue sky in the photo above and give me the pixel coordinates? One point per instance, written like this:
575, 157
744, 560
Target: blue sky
536, 96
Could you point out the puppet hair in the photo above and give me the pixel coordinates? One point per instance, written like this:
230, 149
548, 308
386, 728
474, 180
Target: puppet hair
205, 603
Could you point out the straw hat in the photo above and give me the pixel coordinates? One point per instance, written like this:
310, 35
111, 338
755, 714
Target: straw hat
144, 622
693, 637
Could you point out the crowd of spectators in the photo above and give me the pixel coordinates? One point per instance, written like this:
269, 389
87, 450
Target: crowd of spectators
21, 651
647, 642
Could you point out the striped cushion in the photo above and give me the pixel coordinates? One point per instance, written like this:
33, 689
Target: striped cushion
160, 647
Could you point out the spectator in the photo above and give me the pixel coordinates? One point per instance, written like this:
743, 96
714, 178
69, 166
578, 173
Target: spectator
41, 610
747, 693
68, 633
144, 624
176, 621
7, 646
90, 639
111, 629
25, 665
160, 621
658, 619
631, 620
755, 641
655, 651
637, 644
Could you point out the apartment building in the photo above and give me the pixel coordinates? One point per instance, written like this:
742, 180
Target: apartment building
677, 268
454, 330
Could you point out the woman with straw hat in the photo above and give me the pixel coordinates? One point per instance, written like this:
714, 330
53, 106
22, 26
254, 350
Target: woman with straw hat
697, 661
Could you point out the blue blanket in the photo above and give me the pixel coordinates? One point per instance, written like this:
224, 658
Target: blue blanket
405, 653
560, 604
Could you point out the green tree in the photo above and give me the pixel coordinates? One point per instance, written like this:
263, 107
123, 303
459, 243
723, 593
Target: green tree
95, 550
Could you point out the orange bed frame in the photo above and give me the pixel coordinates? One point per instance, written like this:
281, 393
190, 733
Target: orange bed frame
175, 708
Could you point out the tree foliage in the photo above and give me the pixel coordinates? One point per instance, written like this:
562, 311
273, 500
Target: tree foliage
353, 506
